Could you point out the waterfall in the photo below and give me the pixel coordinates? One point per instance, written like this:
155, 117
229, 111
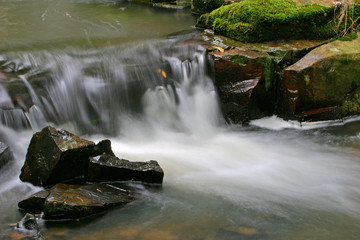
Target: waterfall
161, 84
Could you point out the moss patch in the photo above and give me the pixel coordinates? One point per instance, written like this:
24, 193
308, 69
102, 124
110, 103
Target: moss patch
267, 20
351, 106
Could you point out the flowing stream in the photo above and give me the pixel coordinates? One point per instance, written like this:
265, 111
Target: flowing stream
106, 69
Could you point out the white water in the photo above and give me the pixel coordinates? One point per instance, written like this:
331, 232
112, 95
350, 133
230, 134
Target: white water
296, 175
283, 179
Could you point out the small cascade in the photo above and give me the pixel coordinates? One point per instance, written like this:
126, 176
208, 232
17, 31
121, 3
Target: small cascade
14, 118
160, 84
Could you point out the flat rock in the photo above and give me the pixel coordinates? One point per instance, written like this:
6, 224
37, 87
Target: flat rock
105, 167
65, 201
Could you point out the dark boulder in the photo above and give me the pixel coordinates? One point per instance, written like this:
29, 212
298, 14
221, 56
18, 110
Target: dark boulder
64, 201
55, 155
109, 168
5, 154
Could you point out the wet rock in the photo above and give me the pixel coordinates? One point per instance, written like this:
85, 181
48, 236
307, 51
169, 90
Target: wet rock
27, 229
244, 80
64, 201
35, 202
5, 154
109, 168
246, 74
55, 155
320, 85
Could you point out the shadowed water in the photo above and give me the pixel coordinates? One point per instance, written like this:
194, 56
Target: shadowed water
155, 100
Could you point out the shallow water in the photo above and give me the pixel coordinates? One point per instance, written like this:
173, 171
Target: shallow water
270, 180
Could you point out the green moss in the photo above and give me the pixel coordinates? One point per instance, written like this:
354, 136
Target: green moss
266, 20
351, 106
349, 37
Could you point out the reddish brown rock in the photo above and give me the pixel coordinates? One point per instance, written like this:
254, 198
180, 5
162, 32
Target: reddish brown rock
243, 79
64, 201
316, 87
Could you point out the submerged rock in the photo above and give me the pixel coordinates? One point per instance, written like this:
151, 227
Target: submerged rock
26, 228
64, 201
323, 85
5, 154
55, 155
109, 168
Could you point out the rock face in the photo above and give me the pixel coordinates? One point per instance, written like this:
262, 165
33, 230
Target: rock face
5, 154
323, 85
246, 74
64, 201
55, 155
243, 79
105, 168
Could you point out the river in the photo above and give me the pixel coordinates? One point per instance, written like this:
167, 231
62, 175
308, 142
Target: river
107, 70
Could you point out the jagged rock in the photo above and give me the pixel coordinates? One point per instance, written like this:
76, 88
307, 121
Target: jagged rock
5, 154
64, 201
243, 79
109, 168
246, 74
55, 155
27, 229
323, 84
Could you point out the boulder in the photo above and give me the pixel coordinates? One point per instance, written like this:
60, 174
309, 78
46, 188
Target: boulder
264, 20
64, 201
323, 85
5, 154
105, 167
240, 76
246, 74
55, 155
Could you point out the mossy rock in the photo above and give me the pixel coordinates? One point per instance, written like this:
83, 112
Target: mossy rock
268, 20
325, 81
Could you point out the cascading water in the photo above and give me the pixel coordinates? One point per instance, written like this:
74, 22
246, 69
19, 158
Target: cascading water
156, 100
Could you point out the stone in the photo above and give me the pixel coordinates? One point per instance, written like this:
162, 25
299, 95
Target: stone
65, 201
26, 228
55, 155
105, 167
322, 85
263, 20
5, 154
239, 76
246, 74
